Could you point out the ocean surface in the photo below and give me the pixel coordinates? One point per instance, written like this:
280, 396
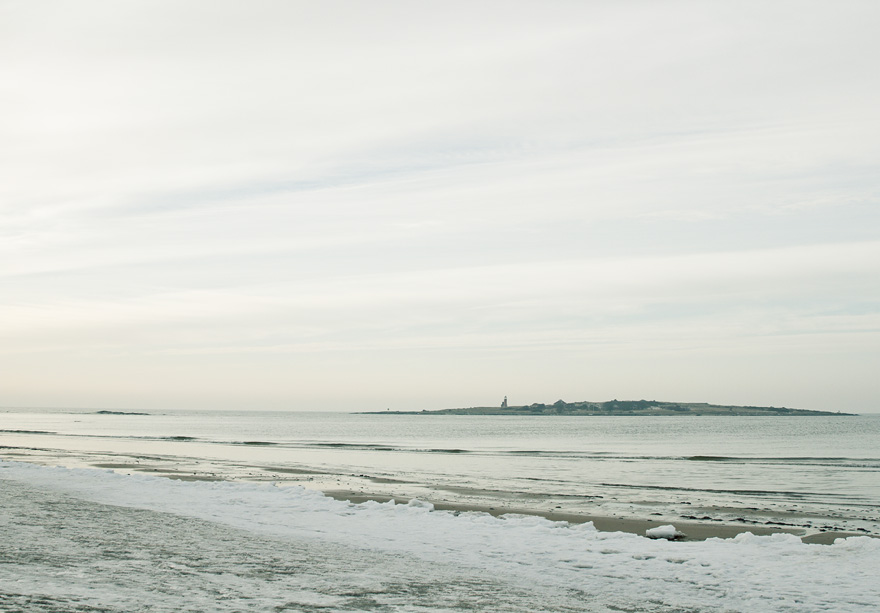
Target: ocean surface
224, 511
819, 472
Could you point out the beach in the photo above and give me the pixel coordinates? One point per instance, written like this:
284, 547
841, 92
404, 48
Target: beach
813, 477
228, 512
359, 488
86, 539
382, 490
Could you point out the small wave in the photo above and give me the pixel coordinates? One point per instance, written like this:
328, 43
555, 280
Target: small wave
173, 438
721, 458
26, 432
835, 462
711, 458
369, 447
339, 445
364, 446
258, 443
759, 493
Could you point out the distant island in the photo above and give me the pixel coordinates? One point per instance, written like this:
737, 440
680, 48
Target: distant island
618, 407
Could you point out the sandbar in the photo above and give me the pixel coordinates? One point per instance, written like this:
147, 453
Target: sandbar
693, 530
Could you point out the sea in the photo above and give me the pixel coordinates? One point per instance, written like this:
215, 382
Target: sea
406, 524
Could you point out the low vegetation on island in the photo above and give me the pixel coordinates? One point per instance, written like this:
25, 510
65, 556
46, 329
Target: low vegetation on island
619, 407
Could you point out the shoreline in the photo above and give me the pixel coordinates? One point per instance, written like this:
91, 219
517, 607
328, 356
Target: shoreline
99, 540
620, 408
358, 488
693, 530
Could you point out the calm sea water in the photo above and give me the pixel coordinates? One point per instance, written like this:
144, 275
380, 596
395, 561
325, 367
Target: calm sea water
798, 470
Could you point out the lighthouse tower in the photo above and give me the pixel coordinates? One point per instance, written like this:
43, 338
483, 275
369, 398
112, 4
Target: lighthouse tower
504, 403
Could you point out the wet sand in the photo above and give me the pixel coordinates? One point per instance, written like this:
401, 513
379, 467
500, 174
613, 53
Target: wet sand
361, 488
693, 530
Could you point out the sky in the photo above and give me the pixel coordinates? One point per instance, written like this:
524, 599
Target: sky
366, 205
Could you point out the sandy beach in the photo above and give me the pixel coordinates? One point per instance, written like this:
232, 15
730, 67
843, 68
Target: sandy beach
693, 530
358, 488
115, 539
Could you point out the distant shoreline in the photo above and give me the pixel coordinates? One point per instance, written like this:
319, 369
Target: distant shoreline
621, 408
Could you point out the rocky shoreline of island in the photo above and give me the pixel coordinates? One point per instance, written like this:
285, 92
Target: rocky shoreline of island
620, 408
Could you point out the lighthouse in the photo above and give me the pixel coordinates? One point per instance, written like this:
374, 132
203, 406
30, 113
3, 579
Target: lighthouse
504, 403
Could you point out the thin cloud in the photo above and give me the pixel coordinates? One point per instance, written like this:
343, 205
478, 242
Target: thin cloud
416, 187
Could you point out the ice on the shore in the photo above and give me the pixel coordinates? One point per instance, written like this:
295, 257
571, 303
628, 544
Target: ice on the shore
667, 532
611, 571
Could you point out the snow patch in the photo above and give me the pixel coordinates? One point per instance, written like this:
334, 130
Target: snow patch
746, 573
667, 532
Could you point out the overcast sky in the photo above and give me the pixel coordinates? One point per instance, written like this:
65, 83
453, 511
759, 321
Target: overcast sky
360, 205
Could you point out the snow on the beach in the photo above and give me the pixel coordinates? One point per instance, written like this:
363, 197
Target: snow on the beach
611, 570
664, 532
